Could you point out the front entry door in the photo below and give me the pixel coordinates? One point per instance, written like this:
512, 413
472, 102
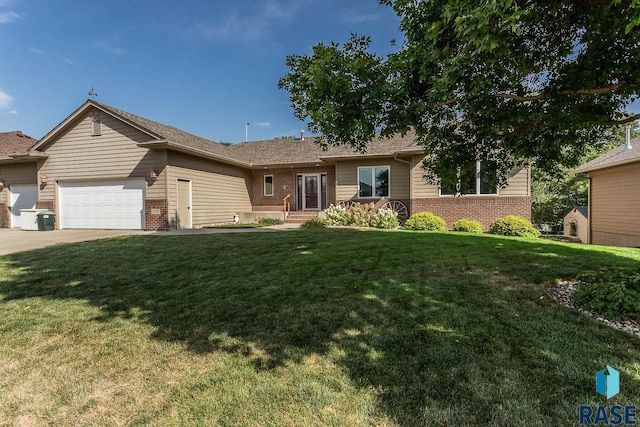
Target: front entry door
184, 203
311, 196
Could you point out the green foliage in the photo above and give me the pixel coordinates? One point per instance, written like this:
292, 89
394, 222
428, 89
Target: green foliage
533, 80
615, 294
425, 221
313, 223
385, 219
467, 225
335, 215
553, 195
266, 221
513, 225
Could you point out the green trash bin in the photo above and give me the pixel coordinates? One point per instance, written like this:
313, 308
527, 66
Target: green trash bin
46, 220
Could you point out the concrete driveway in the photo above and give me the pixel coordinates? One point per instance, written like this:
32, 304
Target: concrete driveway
15, 240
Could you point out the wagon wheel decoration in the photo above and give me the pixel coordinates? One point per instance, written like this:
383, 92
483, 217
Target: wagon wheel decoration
399, 208
346, 204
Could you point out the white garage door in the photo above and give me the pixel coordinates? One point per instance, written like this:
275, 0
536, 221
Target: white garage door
115, 205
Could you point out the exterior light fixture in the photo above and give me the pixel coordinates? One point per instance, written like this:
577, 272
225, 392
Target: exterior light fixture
2, 184
44, 180
154, 175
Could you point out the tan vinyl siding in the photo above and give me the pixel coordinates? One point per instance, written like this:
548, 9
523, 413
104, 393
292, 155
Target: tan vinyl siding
218, 191
518, 183
347, 177
78, 156
17, 174
615, 206
421, 188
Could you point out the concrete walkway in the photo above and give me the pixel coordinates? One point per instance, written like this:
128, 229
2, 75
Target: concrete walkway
16, 240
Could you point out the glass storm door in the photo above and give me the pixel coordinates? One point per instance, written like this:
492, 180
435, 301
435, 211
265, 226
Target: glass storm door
311, 192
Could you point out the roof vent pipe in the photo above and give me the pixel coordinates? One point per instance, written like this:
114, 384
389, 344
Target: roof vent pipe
627, 145
302, 135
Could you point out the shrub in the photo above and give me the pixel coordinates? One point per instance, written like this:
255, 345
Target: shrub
313, 223
269, 221
425, 221
467, 225
385, 219
614, 294
360, 215
513, 225
335, 215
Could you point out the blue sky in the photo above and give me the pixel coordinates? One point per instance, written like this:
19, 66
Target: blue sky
207, 67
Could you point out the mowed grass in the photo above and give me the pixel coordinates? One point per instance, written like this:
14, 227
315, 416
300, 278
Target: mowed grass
310, 327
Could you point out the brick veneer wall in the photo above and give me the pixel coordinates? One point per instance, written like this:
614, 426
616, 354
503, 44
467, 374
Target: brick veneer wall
287, 177
4, 215
156, 214
480, 208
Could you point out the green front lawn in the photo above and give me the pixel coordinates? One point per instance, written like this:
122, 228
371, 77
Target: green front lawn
309, 327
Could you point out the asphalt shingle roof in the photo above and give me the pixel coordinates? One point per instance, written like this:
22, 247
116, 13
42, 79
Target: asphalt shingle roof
15, 142
617, 156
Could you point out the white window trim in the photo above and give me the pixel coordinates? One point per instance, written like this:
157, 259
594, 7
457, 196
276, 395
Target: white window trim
264, 186
476, 194
373, 177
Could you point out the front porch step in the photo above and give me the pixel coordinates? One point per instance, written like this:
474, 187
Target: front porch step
298, 217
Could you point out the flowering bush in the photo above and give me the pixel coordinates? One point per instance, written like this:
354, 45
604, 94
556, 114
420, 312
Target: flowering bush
335, 215
385, 219
359, 215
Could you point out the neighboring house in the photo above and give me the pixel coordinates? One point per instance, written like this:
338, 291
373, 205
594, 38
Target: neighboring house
18, 188
614, 196
106, 168
576, 223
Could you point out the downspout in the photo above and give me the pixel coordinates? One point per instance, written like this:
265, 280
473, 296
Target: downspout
410, 163
627, 145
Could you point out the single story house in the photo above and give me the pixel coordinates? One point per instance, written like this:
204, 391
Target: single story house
102, 167
614, 199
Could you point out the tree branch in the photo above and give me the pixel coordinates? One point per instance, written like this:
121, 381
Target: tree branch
598, 91
623, 121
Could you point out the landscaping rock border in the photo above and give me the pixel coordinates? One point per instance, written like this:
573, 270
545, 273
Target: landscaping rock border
562, 293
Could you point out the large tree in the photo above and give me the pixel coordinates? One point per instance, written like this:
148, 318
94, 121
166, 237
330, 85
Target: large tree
505, 80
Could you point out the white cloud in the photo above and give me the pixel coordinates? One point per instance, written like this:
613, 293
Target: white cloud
11, 112
36, 50
68, 61
352, 16
5, 100
8, 17
262, 124
249, 24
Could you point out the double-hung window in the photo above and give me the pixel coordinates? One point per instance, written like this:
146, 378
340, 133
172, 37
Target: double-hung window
373, 182
476, 178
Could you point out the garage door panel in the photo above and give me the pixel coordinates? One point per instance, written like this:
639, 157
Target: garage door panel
107, 204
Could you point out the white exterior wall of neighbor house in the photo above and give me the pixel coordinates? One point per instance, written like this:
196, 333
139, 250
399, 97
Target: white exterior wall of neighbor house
615, 206
581, 224
218, 191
